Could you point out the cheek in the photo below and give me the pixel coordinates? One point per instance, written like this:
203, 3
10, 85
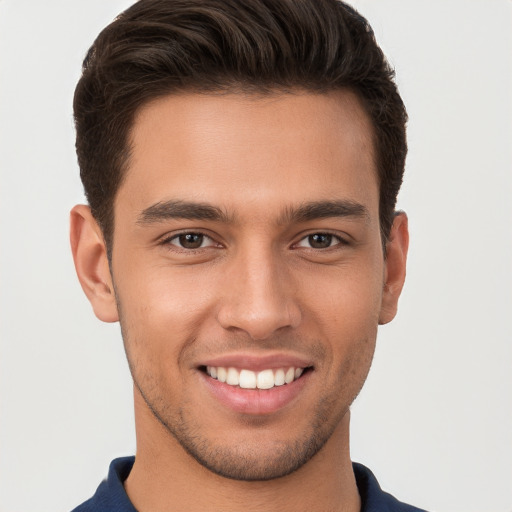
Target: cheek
346, 302
161, 310
344, 311
162, 297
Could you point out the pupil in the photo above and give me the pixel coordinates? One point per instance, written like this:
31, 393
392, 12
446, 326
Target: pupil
320, 240
191, 240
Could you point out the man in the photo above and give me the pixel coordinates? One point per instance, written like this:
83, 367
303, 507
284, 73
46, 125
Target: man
241, 162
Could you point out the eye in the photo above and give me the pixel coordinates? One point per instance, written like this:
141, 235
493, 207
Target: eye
320, 241
190, 241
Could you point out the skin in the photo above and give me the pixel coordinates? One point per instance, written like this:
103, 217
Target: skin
256, 287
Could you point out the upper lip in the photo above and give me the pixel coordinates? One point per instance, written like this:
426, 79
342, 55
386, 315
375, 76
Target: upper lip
257, 362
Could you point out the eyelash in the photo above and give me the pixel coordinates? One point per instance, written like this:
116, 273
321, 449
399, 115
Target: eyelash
340, 241
168, 241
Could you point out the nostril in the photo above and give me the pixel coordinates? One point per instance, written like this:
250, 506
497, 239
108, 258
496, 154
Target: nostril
259, 310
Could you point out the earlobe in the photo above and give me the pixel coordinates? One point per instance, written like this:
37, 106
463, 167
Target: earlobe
395, 267
91, 263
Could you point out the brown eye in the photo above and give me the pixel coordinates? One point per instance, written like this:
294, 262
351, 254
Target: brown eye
320, 240
190, 240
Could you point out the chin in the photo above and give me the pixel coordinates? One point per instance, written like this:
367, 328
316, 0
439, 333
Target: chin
252, 463
258, 455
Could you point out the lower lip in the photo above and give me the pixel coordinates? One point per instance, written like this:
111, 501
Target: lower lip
255, 401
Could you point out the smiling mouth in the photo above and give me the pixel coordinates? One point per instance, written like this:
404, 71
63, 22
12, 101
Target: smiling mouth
248, 379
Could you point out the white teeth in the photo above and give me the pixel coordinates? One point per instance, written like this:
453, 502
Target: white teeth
266, 379
290, 375
247, 379
221, 374
279, 377
233, 377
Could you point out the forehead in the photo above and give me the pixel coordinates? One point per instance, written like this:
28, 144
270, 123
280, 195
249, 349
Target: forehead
236, 150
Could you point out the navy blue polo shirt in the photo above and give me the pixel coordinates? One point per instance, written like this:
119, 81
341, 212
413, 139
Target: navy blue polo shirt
111, 496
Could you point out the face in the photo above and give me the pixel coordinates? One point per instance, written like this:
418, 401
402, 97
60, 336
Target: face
249, 273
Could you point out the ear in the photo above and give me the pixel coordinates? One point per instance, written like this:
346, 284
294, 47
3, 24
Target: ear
91, 263
394, 267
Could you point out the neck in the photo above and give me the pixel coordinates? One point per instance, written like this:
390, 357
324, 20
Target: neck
166, 478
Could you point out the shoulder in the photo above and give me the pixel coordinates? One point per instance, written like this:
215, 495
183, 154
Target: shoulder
373, 498
110, 495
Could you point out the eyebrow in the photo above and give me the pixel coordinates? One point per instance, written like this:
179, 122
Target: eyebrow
325, 209
175, 209
166, 210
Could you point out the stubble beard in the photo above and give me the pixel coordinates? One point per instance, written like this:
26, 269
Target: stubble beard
242, 462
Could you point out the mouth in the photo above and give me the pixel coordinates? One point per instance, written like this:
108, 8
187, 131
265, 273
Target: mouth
249, 379
259, 389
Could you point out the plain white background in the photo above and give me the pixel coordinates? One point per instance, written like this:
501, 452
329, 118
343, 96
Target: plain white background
434, 421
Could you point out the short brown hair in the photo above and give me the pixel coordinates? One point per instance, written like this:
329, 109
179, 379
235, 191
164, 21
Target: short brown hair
159, 47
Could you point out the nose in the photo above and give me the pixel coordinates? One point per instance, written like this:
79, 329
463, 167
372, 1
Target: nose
259, 297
